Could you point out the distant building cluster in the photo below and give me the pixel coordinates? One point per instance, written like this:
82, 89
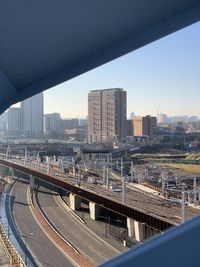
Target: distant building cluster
107, 118
26, 120
55, 126
29, 120
106, 122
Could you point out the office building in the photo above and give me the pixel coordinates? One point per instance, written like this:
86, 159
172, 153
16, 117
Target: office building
149, 125
144, 126
129, 127
67, 124
137, 126
132, 114
51, 123
83, 122
14, 121
32, 116
162, 119
3, 121
106, 115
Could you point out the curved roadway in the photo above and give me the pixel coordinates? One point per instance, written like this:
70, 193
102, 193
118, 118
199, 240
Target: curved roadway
73, 230
42, 248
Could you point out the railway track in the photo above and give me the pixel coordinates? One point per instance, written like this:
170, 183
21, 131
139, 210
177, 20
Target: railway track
141, 201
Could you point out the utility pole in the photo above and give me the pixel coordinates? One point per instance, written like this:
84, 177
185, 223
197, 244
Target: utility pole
104, 173
188, 196
163, 183
25, 156
61, 165
8, 153
195, 190
123, 190
131, 171
121, 167
123, 182
107, 177
79, 177
74, 171
48, 165
176, 178
107, 171
183, 206
37, 166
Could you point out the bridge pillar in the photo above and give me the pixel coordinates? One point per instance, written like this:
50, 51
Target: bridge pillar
94, 210
136, 229
75, 202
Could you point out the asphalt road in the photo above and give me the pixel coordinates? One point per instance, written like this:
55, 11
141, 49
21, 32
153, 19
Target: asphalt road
46, 253
73, 230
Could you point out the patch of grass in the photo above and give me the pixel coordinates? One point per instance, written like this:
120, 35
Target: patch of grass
189, 168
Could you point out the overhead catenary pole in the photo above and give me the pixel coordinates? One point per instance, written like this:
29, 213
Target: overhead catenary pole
176, 178
107, 171
107, 177
48, 165
183, 207
61, 165
121, 167
123, 190
104, 173
123, 182
74, 170
25, 156
132, 171
8, 153
163, 183
79, 177
195, 190
37, 161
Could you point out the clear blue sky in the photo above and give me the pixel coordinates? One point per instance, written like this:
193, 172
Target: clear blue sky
164, 76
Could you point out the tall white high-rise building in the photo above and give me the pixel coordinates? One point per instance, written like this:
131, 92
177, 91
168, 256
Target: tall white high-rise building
3, 120
162, 118
14, 121
51, 123
32, 112
132, 114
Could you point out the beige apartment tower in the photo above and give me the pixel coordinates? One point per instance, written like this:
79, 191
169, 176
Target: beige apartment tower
137, 126
106, 115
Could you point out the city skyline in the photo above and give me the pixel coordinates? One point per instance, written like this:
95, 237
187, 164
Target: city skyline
168, 69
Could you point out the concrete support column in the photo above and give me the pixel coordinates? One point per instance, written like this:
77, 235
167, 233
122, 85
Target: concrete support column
131, 228
75, 202
136, 229
94, 210
139, 231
